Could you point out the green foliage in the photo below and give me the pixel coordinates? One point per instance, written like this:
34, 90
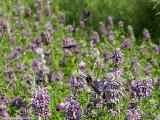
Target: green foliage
138, 13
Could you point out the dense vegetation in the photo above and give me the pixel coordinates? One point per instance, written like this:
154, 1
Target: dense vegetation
54, 70
139, 13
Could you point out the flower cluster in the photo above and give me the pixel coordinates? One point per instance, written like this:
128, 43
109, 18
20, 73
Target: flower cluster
134, 114
40, 103
17, 102
95, 38
102, 29
72, 109
141, 88
118, 57
78, 83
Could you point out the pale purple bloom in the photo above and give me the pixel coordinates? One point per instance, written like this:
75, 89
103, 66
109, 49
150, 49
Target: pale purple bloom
46, 38
11, 37
28, 12
110, 20
17, 102
35, 64
38, 16
134, 114
111, 36
20, 11
39, 5
95, 38
141, 88
79, 84
3, 111
62, 18
40, 103
157, 49
59, 76
47, 10
148, 69
146, 34
118, 57
82, 23
28, 78
82, 65
106, 55
127, 43
72, 109
15, 53
36, 26
102, 29
37, 41
70, 28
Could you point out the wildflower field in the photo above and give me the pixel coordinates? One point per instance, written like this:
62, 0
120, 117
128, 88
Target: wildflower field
52, 70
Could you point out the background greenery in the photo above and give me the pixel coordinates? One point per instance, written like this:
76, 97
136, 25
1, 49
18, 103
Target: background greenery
139, 13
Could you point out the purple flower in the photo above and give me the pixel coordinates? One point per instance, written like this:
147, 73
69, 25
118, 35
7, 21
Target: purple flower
95, 38
149, 86
20, 11
141, 89
66, 41
134, 114
17, 22
72, 109
40, 103
46, 38
78, 83
70, 28
17, 102
62, 18
146, 34
113, 89
15, 53
148, 69
118, 57
39, 5
28, 78
28, 12
82, 23
110, 21
82, 65
102, 29
157, 49
38, 16
111, 36
106, 55
60, 106
36, 26
47, 10
59, 76
3, 111
41, 75
35, 64
127, 43
11, 37
37, 41
118, 72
